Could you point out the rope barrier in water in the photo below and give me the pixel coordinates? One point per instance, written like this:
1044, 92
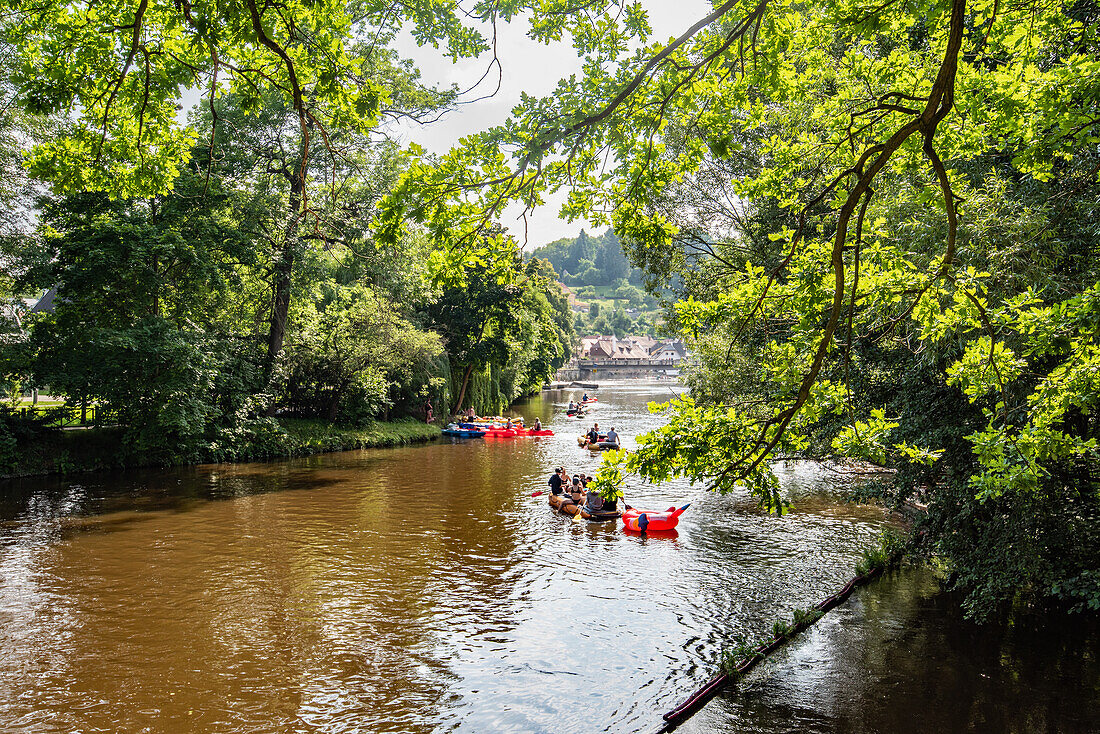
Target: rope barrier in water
701, 697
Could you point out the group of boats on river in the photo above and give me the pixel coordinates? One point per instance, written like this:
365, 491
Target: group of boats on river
572, 495
576, 498
496, 427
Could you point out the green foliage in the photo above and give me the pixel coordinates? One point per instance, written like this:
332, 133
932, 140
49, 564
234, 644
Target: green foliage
734, 657
806, 616
118, 68
1081, 591
611, 475
502, 320
886, 553
866, 439
346, 352
9, 448
698, 438
590, 261
313, 436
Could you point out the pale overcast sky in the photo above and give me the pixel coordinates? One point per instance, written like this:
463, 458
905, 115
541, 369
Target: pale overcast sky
529, 67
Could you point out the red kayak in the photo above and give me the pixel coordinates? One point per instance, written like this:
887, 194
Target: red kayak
533, 432
643, 520
500, 433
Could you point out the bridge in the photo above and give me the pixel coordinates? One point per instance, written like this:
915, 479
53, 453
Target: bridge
624, 367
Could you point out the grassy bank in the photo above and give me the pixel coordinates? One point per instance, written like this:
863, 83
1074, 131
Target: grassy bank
98, 449
314, 436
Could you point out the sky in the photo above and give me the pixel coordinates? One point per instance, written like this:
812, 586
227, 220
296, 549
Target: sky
526, 66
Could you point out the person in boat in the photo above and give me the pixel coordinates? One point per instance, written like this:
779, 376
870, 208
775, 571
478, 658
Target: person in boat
572, 405
585, 398
594, 434
612, 437
566, 485
593, 502
578, 490
605, 505
538, 425
555, 481
471, 414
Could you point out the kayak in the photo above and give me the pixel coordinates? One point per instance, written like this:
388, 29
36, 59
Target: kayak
643, 520
501, 433
533, 432
460, 432
582, 440
557, 501
589, 401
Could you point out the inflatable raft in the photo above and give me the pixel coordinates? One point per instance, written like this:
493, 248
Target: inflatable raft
600, 445
559, 502
644, 520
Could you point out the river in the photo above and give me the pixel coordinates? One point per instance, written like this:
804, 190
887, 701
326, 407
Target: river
424, 589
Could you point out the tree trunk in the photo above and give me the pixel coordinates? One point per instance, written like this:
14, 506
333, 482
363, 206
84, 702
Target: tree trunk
283, 268
462, 392
155, 306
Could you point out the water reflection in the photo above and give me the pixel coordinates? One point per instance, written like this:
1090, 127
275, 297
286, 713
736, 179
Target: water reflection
899, 657
414, 590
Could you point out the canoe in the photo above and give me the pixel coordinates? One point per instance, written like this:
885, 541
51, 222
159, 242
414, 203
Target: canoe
644, 520
589, 401
459, 432
557, 501
582, 440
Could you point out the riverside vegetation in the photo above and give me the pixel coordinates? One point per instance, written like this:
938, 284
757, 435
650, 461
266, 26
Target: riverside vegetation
879, 221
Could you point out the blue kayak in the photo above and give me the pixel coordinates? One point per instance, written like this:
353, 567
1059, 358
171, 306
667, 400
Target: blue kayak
459, 432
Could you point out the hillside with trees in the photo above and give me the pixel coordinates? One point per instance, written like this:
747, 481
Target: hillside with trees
596, 268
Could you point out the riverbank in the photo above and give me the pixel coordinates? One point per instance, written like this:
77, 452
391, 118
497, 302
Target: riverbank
63, 452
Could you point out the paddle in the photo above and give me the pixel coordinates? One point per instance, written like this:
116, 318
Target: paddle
539, 492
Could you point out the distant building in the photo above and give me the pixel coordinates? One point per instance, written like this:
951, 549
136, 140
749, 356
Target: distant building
643, 348
672, 350
571, 297
47, 302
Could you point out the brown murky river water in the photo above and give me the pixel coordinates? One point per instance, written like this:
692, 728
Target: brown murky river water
424, 590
